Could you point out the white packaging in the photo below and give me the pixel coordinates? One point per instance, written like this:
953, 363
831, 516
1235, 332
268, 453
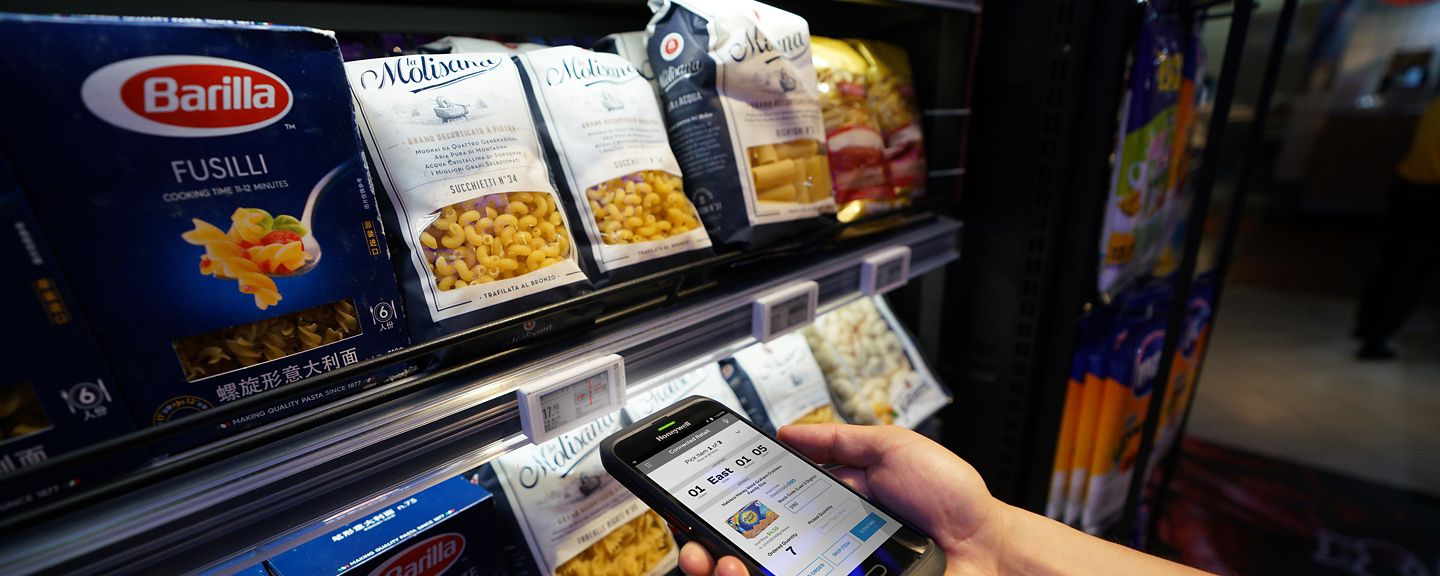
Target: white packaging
453, 142
703, 381
743, 109
631, 47
462, 44
875, 372
600, 118
566, 504
788, 381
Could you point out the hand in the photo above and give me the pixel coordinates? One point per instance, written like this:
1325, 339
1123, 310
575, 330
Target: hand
927, 485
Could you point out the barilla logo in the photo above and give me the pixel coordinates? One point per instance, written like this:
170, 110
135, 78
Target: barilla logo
186, 96
431, 557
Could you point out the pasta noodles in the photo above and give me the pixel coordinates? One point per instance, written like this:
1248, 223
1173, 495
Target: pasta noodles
819, 415
494, 237
633, 548
20, 412
256, 247
641, 207
269, 339
796, 171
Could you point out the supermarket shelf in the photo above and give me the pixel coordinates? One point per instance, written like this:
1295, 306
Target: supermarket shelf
362, 453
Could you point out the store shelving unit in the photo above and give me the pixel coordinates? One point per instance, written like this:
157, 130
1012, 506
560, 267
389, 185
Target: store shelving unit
230, 504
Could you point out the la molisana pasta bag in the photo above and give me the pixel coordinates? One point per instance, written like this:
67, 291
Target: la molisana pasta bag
204, 191
571, 518
740, 99
483, 232
782, 378
622, 185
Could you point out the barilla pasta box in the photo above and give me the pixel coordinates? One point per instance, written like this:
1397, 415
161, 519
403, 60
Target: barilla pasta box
56, 394
568, 517
203, 187
743, 108
445, 530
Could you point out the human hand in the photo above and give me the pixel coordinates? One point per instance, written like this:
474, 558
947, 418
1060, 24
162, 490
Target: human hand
921, 481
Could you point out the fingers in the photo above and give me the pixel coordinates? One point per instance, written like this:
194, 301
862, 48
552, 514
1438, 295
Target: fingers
855, 446
855, 477
695, 560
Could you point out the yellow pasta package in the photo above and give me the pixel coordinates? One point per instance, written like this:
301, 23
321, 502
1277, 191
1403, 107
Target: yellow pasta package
482, 228
573, 518
892, 101
855, 147
603, 131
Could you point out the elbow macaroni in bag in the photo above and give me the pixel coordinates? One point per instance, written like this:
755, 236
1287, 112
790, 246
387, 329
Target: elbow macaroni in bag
741, 103
454, 144
600, 122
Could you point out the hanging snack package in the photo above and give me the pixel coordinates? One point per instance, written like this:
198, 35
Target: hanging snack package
855, 148
874, 370
1065, 438
704, 381
631, 47
743, 110
482, 230
239, 246
892, 101
604, 134
783, 379
570, 517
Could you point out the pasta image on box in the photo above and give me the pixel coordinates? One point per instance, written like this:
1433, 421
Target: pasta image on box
469, 194
56, 394
855, 148
740, 99
222, 170
604, 132
871, 366
570, 517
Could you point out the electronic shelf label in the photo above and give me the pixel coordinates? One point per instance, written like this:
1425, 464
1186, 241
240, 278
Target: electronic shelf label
562, 401
785, 310
885, 270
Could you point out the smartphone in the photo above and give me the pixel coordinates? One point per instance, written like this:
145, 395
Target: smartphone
718, 479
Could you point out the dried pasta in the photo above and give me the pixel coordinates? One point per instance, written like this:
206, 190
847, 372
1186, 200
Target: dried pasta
256, 248
269, 339
632, 549
863, 360
494, 237
641, 207
819, 415
795, 172
20, 412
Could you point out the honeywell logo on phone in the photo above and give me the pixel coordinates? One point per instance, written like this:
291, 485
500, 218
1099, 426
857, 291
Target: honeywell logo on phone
186, 96
430, 557
672, 432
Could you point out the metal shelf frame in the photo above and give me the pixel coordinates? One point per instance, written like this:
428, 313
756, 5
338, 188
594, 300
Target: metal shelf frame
229, 514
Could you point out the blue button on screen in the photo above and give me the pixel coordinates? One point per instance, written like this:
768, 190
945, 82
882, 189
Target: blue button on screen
868, 527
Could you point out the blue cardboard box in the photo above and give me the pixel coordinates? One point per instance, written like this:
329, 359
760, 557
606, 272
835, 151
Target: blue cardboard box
204, 189
55, 393
445, 530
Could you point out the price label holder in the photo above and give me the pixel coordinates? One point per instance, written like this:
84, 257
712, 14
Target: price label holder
565, 399
785, 310
885, 270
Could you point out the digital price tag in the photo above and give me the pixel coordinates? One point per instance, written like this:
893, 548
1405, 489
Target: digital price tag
563, 400
785, 310
885, 270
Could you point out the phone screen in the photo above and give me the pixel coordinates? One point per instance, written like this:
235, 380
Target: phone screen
787, 515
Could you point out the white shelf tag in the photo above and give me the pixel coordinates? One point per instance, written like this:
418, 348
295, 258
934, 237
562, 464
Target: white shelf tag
885, 270
785, 310
561, 401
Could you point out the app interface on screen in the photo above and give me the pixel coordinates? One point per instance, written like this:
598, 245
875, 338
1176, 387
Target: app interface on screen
790, 517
